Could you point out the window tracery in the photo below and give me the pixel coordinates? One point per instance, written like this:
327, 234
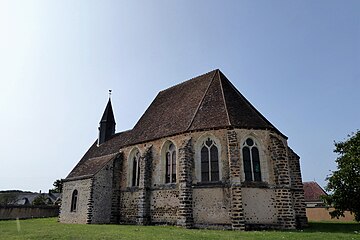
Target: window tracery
251, 160
209, 161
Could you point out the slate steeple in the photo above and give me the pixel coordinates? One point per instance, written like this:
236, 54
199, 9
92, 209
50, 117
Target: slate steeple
107, 124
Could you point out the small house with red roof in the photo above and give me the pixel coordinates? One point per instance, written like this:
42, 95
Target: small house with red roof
312, 194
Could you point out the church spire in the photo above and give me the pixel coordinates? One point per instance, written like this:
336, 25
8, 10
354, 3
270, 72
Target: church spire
107, 123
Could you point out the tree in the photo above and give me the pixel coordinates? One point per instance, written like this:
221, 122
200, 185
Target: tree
40, 200
58, 185
8, 197
344, 183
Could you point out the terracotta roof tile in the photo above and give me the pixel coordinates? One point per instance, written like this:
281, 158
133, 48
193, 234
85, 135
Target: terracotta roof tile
313, 192
92, 165
204, 102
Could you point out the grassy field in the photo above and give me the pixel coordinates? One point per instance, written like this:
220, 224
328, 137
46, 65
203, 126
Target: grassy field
49, 228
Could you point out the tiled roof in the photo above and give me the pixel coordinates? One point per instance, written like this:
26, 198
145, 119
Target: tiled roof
91, 165
205, 102
97, 156
313, 192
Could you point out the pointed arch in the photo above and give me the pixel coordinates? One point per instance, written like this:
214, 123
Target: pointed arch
134, 167
251, 159
208, 164
169, 161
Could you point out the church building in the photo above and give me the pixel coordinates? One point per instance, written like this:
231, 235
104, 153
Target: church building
201, 156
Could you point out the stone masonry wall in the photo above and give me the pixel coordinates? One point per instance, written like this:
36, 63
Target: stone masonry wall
164, 206
129, 207
158, 188
212, 211
80, 215
144, 187
259, 206
186, 161
297, 189
116, 193
101, 195
155, 201
284, 203
237, 211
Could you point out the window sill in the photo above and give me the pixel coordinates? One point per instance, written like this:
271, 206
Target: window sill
132, 189
164, 186
255, 184
209, 184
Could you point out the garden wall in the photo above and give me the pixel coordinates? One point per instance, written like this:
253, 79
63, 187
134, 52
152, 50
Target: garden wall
8, 212
322, 214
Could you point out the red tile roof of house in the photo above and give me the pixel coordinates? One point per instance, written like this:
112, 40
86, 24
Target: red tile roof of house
313, 192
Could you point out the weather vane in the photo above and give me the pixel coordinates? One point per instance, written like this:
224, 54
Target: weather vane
110, 93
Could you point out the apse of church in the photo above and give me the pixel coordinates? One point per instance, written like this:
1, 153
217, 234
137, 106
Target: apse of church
197, 139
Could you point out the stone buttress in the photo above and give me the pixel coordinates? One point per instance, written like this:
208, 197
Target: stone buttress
284, 201
186, 162
116, 192
236, 212
145, 187
297, 189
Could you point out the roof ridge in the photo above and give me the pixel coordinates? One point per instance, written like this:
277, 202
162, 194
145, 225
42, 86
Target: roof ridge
176, 85
105, 155
253, 108
202, 99
223, 95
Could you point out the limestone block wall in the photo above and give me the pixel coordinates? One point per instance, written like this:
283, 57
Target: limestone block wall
84, 191
270, 202
164, 206
129, 207
165, 197
259, 206
211, 206
100, 208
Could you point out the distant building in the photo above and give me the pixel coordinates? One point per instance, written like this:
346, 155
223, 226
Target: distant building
316, 209
27, 198
313, 193
200, 156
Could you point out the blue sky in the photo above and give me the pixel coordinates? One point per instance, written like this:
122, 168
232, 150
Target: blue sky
297, 62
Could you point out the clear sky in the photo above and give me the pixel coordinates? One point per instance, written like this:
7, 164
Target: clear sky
297, 62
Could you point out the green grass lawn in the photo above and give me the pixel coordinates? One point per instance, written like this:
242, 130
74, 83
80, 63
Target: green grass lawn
49, 228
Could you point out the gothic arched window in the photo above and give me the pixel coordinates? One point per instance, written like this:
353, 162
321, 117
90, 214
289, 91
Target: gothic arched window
251, 159
74, 199
170, 161
135, 160
209, 161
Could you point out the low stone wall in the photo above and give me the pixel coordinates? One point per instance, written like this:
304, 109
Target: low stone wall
322, 214
8, 212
